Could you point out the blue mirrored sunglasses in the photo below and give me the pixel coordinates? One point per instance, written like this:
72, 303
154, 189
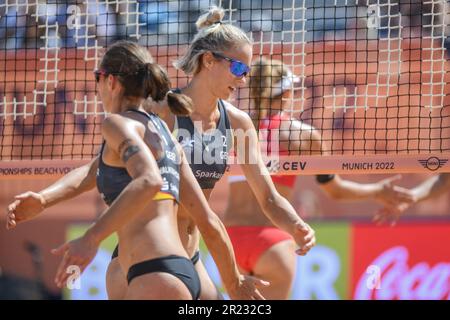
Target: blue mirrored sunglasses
98, 73
237, 68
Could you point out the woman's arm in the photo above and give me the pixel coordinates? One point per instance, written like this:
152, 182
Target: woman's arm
123, 138
274, 206
215, 237
76, 182
432, 187
30, 204
302, 138
382, 191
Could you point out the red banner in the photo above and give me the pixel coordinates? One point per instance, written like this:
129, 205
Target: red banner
409, 261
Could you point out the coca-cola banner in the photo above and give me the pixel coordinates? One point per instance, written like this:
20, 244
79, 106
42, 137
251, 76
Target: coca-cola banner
364, 261
409, 261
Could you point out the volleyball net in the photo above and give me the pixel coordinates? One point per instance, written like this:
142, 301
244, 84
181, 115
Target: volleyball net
372, 77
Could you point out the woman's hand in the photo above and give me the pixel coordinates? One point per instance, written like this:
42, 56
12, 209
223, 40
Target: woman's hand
25, 207
396, 200
390, 214
79, 252
391, 195
305, 238
247, 288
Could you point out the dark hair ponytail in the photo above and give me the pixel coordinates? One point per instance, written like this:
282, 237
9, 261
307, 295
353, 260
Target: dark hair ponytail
157, 84
141, 77
179, 104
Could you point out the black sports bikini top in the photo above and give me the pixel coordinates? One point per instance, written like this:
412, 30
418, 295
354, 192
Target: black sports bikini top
112, 180
207, 153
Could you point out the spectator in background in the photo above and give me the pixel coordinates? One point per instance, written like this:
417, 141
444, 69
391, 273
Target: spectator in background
13, 28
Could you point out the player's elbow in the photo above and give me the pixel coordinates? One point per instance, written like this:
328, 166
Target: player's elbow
210, 227
271, 202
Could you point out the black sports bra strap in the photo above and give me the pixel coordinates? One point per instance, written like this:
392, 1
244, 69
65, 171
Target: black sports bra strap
223, 114
102, 147
141, 112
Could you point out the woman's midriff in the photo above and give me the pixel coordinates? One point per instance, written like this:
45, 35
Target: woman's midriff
243, 208
151, 234
188, 231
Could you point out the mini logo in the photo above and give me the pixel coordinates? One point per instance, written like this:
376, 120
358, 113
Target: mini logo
273, 166
433, 163
171, 155
165, 186
223, 155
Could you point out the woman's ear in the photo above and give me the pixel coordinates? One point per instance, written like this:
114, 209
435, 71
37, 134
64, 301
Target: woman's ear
208, 60
111, 82
114, 85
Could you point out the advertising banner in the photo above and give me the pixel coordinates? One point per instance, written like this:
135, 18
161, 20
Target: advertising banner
350, 261
409, 261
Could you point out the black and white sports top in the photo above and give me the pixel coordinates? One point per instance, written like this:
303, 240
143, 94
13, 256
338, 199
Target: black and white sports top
112, 180
208, 152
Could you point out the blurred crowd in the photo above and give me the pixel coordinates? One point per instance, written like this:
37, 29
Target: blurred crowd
29, 24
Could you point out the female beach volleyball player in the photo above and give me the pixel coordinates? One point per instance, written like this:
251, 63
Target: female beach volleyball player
218, 61
142, 175
262, 249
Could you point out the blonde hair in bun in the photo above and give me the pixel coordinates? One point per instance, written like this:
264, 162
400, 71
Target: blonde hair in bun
212, 17
213, 35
